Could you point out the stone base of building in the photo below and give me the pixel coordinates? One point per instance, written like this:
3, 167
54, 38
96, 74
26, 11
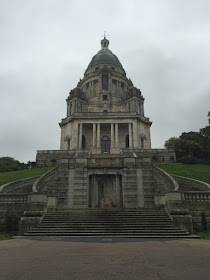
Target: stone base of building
87, 180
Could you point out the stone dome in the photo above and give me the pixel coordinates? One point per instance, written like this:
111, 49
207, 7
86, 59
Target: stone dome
105, 56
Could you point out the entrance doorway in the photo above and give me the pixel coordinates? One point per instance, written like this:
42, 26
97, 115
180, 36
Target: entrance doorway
105, 191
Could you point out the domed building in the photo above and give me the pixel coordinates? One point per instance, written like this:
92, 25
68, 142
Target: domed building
105, 149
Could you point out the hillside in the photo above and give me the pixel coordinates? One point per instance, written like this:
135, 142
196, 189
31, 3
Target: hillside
8, 177
196, 171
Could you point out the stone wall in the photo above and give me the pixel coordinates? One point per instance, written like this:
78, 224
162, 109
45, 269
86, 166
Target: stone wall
184, 207
44, 157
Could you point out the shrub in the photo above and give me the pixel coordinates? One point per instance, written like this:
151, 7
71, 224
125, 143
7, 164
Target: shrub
188, 160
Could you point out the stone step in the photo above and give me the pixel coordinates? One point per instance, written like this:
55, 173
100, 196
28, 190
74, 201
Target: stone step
106, 223
130, 235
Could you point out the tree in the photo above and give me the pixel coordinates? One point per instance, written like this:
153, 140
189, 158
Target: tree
8, 164
170, 143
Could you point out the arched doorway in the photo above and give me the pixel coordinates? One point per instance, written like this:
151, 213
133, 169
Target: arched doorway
105, 145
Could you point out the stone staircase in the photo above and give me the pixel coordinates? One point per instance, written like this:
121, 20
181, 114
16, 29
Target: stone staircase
108, 223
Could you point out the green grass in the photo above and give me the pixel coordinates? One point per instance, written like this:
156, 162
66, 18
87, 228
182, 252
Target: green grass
4, 236
203, 235
8, 177
195, 171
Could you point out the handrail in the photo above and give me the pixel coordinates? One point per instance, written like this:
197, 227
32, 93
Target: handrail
166, 177
43, 179
17, 184
191, 182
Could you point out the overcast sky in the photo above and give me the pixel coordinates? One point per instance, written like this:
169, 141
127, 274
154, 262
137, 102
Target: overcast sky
46, 45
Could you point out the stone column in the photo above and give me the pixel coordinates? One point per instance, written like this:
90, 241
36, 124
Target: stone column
112, 135
80, 136
98, 135
109, 82
116, 135
100, 83
130, 136
94, 135
135, 136
92, 88
95, 191
142, 109
117, 190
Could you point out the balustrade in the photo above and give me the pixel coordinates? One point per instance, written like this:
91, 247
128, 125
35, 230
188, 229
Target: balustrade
11, 199
197, 196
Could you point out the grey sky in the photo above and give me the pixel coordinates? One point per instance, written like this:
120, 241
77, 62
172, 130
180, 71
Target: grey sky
46, 45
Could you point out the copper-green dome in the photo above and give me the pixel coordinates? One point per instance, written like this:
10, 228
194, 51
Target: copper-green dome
105, 56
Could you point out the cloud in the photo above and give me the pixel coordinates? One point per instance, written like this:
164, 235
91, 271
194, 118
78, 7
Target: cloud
47, 45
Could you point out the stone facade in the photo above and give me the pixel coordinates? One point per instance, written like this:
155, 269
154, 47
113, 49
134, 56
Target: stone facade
105, 149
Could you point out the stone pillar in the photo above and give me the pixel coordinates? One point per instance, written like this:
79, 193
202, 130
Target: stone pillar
116, 135
142, 109
94, 135
117, 190
95, 182
109, 83
92, 88
80, 136
112, 135
98, 136
135, 136
100, 83
130, 136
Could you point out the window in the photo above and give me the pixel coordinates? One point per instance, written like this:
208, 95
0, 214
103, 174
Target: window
96, 68
104, 44
87, 85
113, 68
105, 111
105, 145
83, 142
142, 143
68, 144
127, 141
105, 82
105, 97
129, 106
122, 85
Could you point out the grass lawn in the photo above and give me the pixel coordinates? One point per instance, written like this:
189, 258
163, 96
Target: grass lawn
8, 177
4, 236
196, 171
203, 235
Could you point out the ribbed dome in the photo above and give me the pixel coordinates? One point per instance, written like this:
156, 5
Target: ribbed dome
105, 56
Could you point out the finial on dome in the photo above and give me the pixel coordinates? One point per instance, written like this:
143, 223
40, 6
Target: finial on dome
104, 42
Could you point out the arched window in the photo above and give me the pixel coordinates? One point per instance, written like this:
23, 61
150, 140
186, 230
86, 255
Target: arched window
127, 141
105, 145
83, 142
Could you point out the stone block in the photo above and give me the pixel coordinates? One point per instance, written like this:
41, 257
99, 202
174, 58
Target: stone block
37, 198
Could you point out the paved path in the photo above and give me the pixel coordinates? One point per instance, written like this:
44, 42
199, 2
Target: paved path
22, 259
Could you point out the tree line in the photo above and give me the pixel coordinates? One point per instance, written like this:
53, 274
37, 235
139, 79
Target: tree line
8, 164
192, 147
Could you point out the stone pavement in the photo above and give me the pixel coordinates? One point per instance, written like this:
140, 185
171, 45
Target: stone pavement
24, 259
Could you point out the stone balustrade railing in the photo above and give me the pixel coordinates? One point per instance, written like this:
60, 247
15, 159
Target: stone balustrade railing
186, 183
196, 196
167, 179
14, 186
13, 198
46, 178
